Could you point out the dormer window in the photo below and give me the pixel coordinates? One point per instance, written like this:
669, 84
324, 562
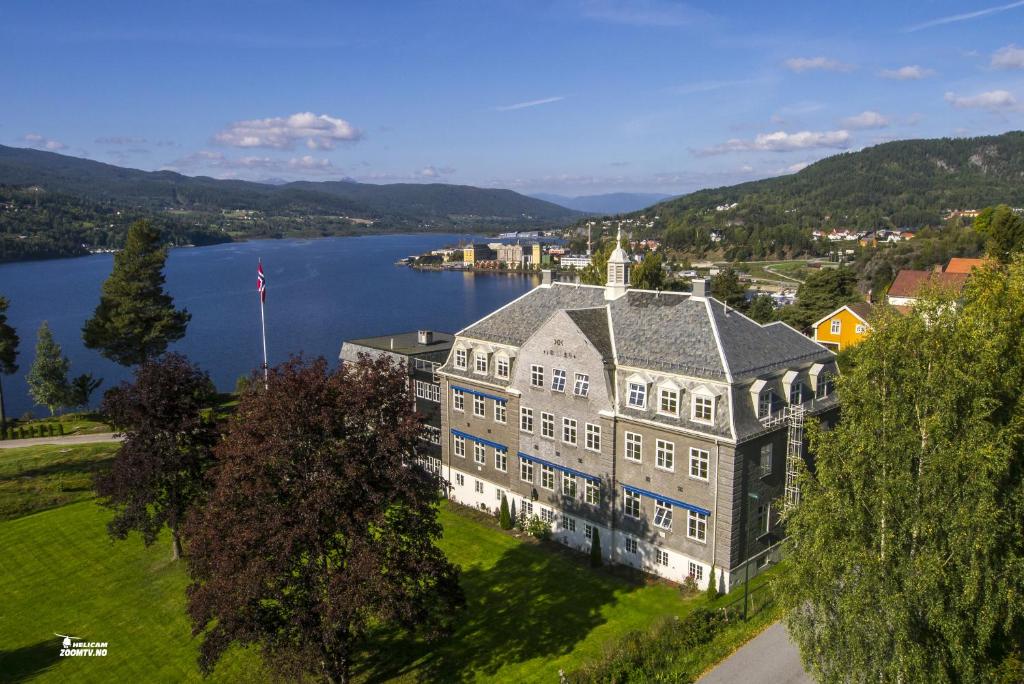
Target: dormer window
461, 358
558, 380
668, 401
796, 393
480, 362
764, 403
501, 367
703, 408
826, 386
637, 397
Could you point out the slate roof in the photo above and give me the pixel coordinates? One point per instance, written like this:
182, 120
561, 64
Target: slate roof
658, 331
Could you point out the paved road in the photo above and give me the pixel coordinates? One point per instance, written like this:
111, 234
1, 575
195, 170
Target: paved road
67, 439
771, 656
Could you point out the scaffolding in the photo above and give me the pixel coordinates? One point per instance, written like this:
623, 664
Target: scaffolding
794, 453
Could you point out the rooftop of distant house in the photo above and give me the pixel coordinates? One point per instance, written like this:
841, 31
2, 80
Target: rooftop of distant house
964, 265
909, 283
408, 343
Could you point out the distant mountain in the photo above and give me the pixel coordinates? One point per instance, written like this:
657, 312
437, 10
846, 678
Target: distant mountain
56, 205
906, 183
611, 203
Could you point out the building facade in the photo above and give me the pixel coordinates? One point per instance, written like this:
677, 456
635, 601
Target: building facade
844, 327
651, 418
422, 352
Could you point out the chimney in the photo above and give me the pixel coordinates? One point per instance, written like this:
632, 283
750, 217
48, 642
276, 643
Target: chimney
425, 336
700, 288
545, 277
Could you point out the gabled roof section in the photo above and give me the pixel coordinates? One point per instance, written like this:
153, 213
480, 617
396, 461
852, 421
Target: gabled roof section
861, 310
964, 265
517, 320
909, 283
750, 348
593, 323
666, 331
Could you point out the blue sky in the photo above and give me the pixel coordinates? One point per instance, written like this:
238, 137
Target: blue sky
565, 96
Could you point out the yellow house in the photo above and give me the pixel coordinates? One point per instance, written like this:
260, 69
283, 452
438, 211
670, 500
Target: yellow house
844, 327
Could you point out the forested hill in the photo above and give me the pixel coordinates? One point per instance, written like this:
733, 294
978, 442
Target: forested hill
908, 183
52, 204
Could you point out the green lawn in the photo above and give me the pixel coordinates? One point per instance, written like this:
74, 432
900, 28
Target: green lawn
40, 477
532, 609
72, 423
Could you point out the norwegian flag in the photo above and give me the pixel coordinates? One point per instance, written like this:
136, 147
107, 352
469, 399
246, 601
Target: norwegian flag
261, 282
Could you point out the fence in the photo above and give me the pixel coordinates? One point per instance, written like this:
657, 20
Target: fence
33, 430
750, 602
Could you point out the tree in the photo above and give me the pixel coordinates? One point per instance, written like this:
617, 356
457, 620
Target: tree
1005, 234
8, 356
762, 309
822, 292
505, 518
80, 390
596, 558
906, 554
712, 590
315, 471
597, 272
135, 319
726, 287
648, 274
48, 378
158, 472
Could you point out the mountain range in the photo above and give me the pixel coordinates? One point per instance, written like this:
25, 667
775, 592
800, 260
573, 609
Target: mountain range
609, 203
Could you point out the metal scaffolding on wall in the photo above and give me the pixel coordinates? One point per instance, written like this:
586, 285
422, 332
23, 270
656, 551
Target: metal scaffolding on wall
794, 453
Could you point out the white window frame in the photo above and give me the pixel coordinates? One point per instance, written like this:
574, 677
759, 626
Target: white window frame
697, 526
570, 429
479, 453
632, 546
459, 446
859, 329
479, 406
631, 504
592, 440
526, 471
547, 515
796, 391
764, 403
665, 455
636, 390
837, 326
705, 401
458, 400
547, 477
526, 420
537, 376
480, 363
569, 523
478, 486
592, 492
673, 395
460, 479
700, 460
428, 391
461, 358
568, 485
501, 460
696, 571
765, 459
588, 531
547, 425
581, 384
502, 367
661, 557
662, 514
558, 379
634, 440
500, 412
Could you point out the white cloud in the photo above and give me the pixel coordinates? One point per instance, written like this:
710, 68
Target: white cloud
642, 12
43, 143
710, 86
529, 103
207, 159
866, 119
912, 72
802, 64
120, 140
993, 100
431, 171
780, 141
793, 168
1009, 57
954, 18
320, 132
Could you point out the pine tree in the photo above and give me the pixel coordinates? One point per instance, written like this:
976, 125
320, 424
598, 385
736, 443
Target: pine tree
48, 378
596, 558
8, 355
712, 590
505, 519
136, 320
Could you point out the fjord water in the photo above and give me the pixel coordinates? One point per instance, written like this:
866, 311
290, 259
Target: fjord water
319, 292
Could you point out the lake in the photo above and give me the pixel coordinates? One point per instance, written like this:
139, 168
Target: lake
319, 293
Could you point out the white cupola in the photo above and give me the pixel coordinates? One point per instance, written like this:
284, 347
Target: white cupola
618, 270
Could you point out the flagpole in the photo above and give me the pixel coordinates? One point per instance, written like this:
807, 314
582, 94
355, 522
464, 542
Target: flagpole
263, 328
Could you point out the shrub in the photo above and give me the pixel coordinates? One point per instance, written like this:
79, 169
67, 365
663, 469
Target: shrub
689, 587
538, 528
595, 549
712, 585
505, 518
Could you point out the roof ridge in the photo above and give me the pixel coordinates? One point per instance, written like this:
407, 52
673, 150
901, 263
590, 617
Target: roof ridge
718, 338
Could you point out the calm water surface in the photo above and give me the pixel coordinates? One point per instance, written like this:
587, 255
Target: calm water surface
319, 292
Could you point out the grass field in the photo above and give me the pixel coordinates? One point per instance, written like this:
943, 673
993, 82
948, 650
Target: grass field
532, 609
72, 423
40, 477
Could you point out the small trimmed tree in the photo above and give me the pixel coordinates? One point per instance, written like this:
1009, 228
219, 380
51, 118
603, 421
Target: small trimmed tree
505, 519
596, 559
48, 378
712, 589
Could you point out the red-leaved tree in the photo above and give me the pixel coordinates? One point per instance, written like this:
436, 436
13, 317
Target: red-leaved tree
319, 525
158, 473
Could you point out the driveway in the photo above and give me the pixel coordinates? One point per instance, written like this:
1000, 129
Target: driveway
67, 439
771, 656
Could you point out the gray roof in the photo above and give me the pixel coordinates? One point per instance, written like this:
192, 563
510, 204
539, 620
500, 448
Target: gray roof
660, 331
407, 344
